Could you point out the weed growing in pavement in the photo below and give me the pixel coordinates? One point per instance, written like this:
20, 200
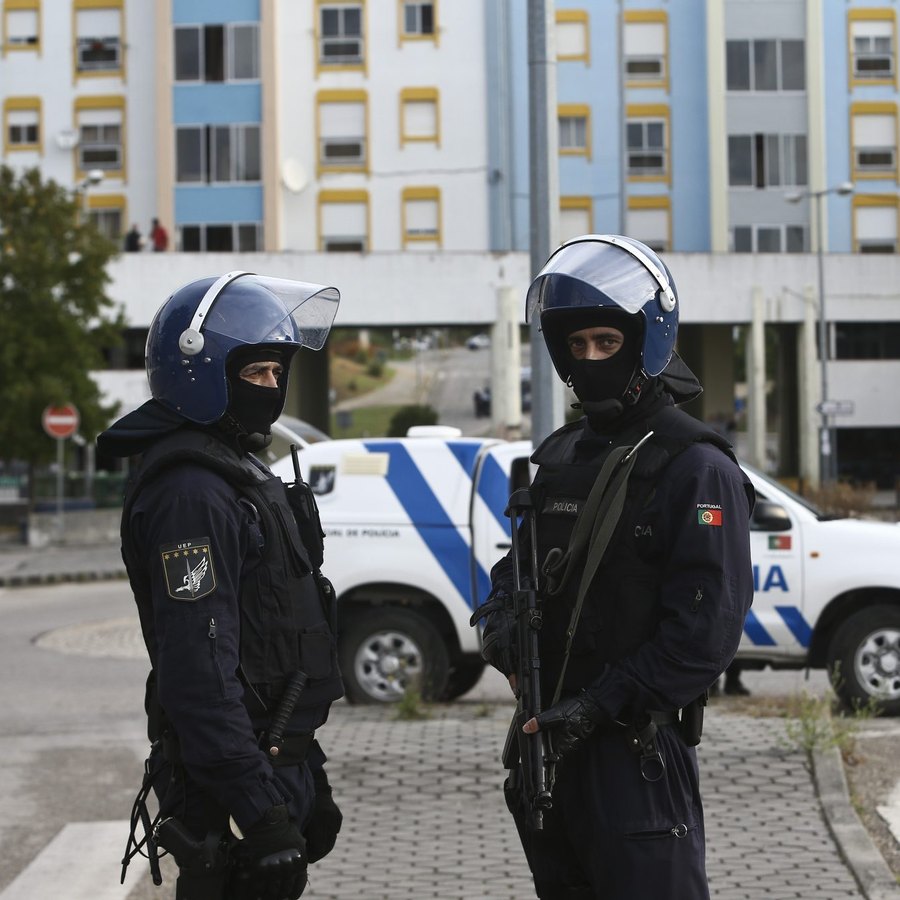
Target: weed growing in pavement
817, 723
411, 707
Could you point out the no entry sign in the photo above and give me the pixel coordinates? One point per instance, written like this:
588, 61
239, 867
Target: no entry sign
60, 422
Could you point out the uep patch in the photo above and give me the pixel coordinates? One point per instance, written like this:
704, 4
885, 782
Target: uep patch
189, 571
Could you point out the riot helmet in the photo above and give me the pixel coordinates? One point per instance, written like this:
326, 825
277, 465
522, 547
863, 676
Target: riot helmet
606, 279
200, 326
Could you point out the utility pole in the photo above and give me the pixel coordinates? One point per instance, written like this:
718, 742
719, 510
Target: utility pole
547, 395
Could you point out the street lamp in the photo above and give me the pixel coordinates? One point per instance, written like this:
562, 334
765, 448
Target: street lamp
827, 454
92, 179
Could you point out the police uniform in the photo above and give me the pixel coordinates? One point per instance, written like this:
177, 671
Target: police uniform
238, 621
661, 620
625, 660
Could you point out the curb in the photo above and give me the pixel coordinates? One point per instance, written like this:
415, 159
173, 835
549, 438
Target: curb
862, 857
38, 578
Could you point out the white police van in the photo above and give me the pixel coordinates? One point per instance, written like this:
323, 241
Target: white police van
413, 526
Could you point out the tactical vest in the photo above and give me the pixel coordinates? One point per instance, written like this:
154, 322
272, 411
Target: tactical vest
620, 609
286, 606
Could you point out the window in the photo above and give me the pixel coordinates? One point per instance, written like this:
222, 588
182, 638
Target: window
417, 20
875, 223
107, 213
768, 65
217, 153
341, 126
573, 36
867, 340
874, 138
101, 133
872, 42
419, 116
649, 220
767, 160
341, 34
574, 130
644, 45
214, 53
22, 25
343, 221
769, 239
240, 237
646, 133
576, 216
422, 217
98, 38
22, 123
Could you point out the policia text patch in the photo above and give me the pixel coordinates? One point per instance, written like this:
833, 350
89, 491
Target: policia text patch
188, 567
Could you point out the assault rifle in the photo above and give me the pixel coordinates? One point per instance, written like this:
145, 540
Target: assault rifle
531, 751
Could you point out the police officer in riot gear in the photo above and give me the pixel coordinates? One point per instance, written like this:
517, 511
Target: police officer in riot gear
223, 560
663, 615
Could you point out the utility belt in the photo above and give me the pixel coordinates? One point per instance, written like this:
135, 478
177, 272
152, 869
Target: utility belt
291, 751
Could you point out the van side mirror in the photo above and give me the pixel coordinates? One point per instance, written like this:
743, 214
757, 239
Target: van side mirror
769, 516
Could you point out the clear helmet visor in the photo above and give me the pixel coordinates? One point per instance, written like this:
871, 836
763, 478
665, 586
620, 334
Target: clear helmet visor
258, 309
628, 280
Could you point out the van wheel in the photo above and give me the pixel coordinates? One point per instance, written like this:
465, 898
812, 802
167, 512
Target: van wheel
464, 675
385, 652
864, 659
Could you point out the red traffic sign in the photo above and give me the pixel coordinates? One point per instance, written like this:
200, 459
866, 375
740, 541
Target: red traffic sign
60, 422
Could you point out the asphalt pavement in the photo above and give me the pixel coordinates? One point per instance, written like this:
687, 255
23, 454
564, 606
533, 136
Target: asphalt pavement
425, 810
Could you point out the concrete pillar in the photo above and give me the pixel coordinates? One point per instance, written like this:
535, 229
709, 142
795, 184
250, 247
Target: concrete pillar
307, 396
506, 364
708, 351
809, 393
756, 382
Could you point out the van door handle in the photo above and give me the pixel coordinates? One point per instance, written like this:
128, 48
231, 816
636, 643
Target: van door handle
503, 546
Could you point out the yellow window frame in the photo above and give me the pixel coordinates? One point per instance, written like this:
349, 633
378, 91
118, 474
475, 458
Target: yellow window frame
655, 17
413, 195
343, 196
101, 101
403, 37
80, 5
571, 201
17, 104
317, 37
861, 201
420, 95
659, 202
342, 96
576, 111
871, 14
576, 17
644, 111
873, 109
18, 6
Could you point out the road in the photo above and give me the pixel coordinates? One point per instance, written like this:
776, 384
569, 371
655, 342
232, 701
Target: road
73, 743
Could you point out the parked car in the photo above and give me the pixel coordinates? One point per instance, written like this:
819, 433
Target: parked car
478, 342
482, 397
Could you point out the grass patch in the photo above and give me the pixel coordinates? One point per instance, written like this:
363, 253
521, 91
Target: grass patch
350, 378
367, 421
411, 707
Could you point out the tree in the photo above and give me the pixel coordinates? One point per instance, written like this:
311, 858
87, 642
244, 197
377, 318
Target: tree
56, 318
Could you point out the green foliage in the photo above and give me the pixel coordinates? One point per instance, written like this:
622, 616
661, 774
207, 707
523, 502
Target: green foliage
407, 416
56, 317
410, 707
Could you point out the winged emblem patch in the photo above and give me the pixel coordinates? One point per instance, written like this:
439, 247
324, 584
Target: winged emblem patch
189, 571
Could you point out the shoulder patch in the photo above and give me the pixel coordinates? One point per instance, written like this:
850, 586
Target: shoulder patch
189, 570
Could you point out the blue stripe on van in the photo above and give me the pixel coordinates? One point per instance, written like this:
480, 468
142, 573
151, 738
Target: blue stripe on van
755, 631
427, 515
798, 626
493, 488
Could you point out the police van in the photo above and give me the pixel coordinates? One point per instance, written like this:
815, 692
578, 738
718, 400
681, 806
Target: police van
413, 526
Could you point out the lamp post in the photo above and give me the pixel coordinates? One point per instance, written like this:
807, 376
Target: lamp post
827, 454
93, 178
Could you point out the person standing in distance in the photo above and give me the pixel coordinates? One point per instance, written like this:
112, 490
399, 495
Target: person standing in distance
223, 560
662, 616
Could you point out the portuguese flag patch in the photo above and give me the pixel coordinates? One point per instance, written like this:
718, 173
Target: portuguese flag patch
709, 515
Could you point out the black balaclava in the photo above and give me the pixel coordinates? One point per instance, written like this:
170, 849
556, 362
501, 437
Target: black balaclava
601, 381
252, 408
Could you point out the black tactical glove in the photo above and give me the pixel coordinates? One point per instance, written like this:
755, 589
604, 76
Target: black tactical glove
325, 822
571, 722
272, 859
498, 640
